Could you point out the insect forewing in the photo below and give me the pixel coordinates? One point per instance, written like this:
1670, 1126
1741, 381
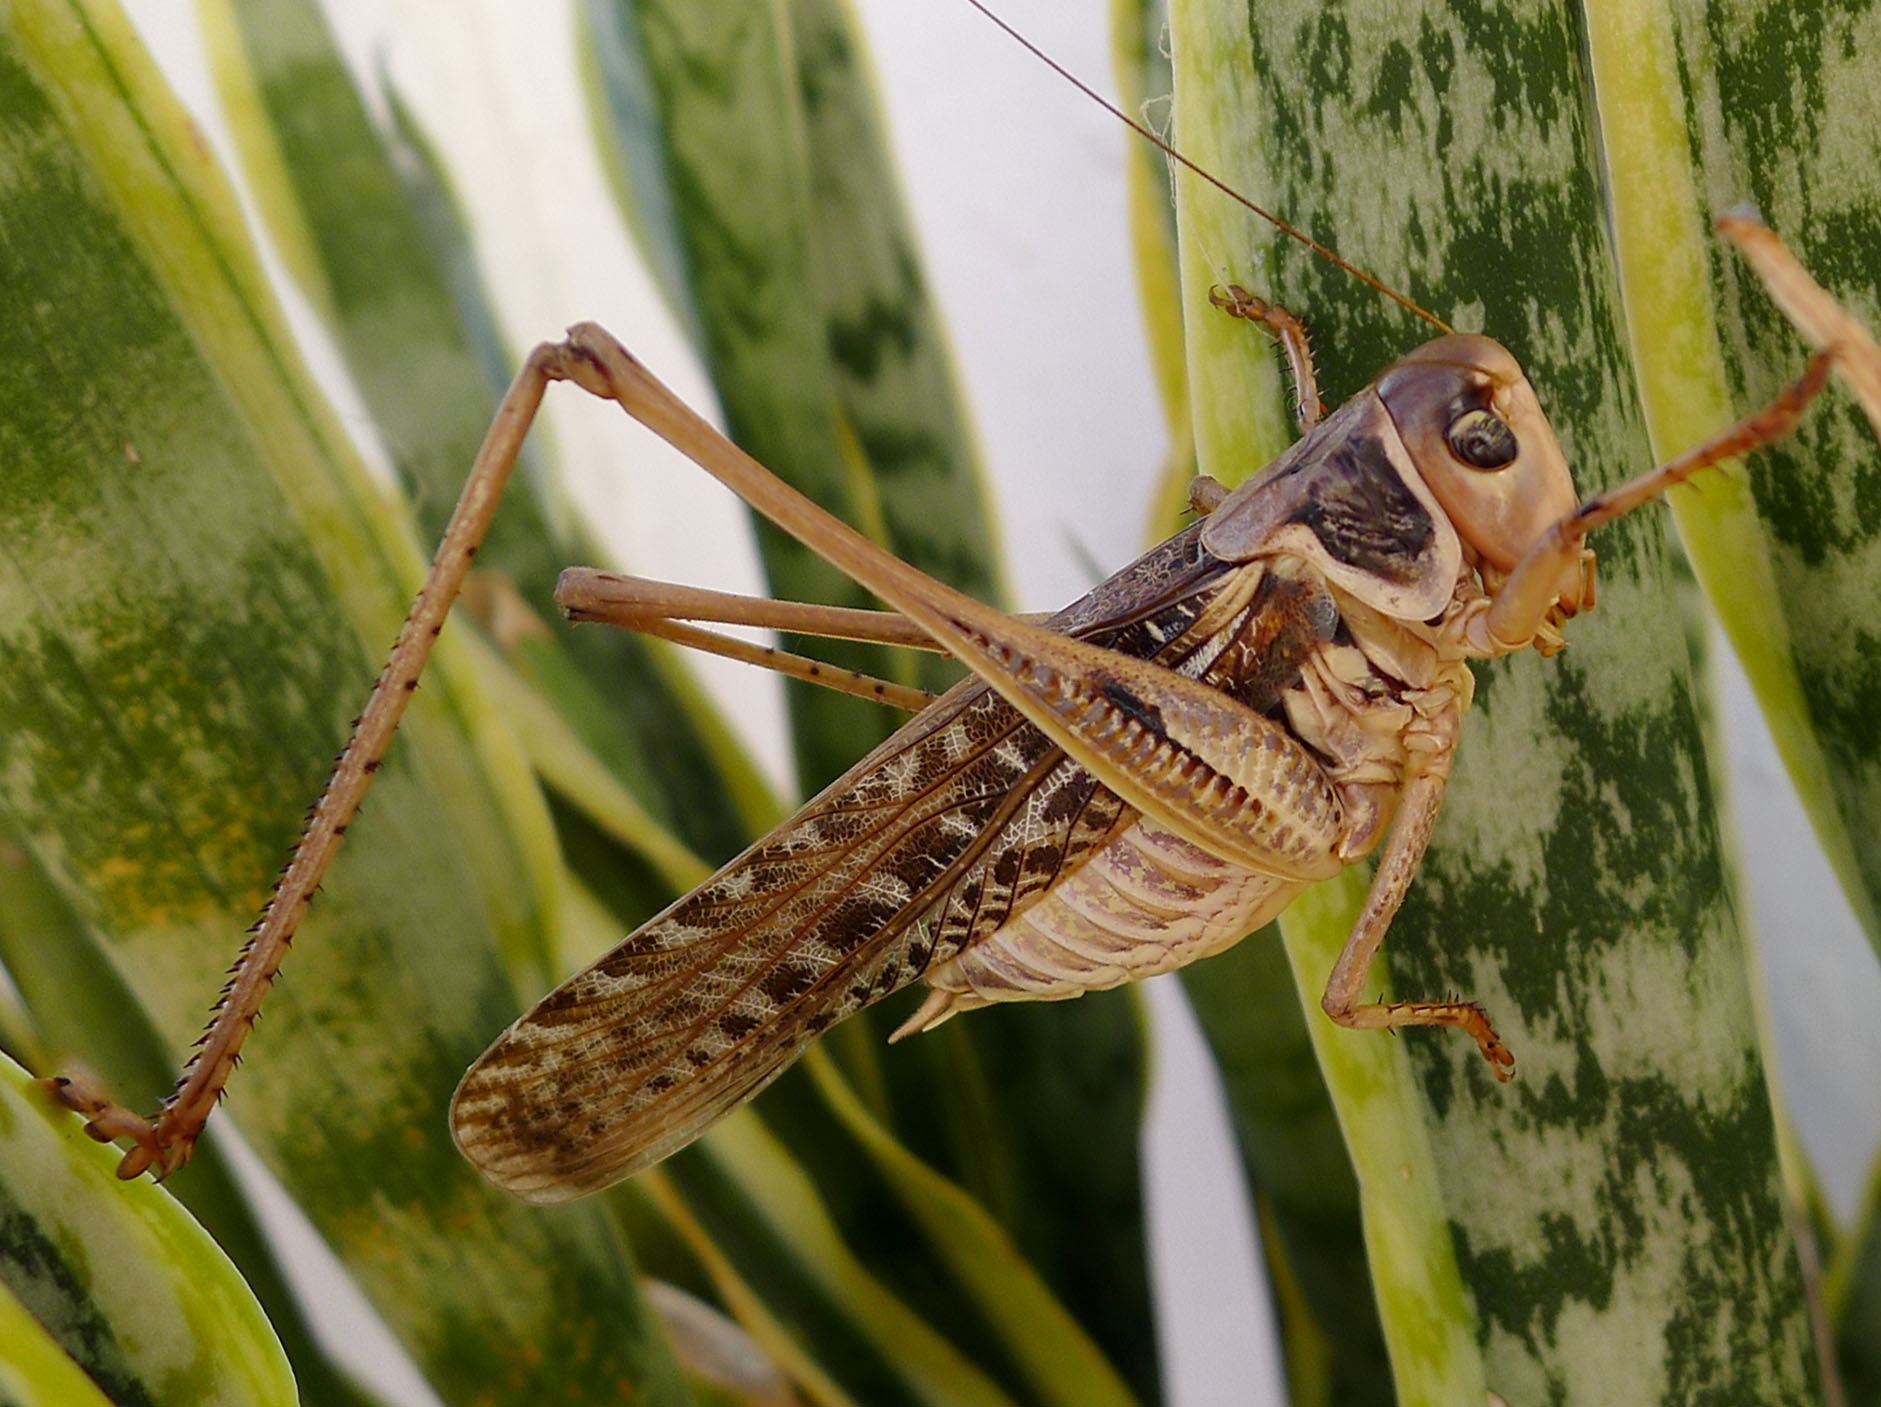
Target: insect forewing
939, 836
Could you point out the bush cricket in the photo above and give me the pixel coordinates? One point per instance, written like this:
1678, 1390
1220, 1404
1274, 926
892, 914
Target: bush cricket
1251, 707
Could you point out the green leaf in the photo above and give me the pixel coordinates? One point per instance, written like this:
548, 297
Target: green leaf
1059, 1363
79, 1003
800, 276
1144, 85
799, 273
724, 1366
723, 87
119, 1274
767, 1219
197, 586
1617, 1212
34, 1370
376, 242
1714, 113
1306, 1196
1852, 1291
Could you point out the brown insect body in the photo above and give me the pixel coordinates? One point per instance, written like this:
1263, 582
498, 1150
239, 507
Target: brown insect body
1327, 608
1122, 789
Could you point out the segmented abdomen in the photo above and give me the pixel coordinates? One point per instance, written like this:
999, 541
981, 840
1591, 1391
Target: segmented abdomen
1148, 902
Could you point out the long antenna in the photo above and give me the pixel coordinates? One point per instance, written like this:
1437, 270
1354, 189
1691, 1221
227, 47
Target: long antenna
1149, 135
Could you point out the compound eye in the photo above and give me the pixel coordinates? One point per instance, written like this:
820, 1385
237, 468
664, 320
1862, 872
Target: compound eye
1477, 438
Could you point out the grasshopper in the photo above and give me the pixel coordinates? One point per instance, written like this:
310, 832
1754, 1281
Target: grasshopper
1268, 697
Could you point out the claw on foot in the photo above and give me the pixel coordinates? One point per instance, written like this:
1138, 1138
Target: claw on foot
1501, 1059
107, 1121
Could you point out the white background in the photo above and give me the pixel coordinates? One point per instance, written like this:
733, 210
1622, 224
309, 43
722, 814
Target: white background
1015, 183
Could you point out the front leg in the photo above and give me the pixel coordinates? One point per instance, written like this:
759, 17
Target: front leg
1397, 866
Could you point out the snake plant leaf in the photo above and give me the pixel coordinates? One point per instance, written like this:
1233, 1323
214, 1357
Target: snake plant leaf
1056, 1360
731, 123
1616, 1214
723, 1365
197, 584
919, 1239
1298, 1171
1853, 1291
629, 127
1065, 1087
799, 272
1761, 108
801, 277
121, 1277
1852, 1278
760, 1221
34, 1370
1144, 83
1305, 1192
377, 244
79, 1003
672, 1240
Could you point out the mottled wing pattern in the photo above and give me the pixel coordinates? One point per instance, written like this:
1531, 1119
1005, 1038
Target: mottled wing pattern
703, 1006
930, 843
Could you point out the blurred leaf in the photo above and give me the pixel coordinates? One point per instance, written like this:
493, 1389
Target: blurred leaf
377, 244
1059, 1363
79, 1003
799, 271
1145, 91
194, 559
34, 1370
120, 1275
723, 1365
1306, 1195
662, 1225
767, 1220
814, 326
1853, 1291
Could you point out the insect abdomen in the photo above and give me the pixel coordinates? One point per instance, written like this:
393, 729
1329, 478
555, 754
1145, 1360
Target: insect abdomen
1147, 903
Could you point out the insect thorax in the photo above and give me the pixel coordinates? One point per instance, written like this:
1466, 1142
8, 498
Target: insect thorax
1368, 695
